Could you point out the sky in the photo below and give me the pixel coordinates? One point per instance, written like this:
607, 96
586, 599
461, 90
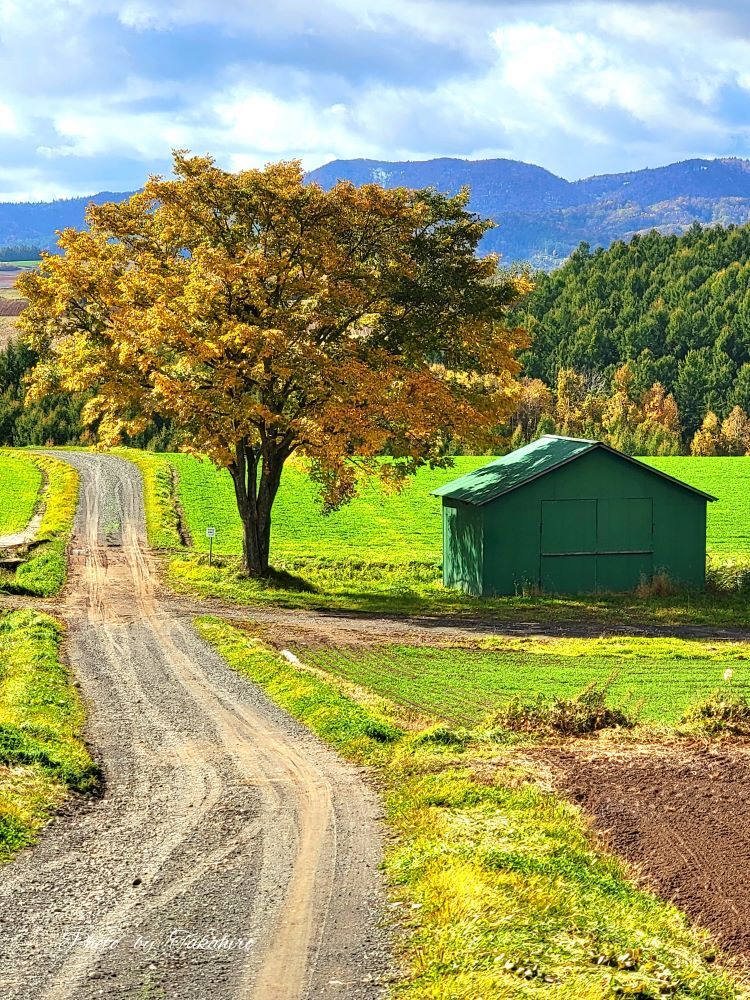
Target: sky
95, 93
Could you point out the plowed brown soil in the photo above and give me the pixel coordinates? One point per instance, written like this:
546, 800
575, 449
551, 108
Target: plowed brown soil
682, 818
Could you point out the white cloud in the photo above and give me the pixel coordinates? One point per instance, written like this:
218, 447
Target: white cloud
579, 87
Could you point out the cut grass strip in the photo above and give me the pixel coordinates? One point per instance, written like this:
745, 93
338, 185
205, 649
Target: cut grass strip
42, 754
162, 520
20, 483
501, 889
45, 571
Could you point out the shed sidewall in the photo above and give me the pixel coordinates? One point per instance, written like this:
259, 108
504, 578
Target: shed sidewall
463, 539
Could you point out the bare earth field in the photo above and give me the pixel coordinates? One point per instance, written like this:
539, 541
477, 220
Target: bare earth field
10, 310
680, 817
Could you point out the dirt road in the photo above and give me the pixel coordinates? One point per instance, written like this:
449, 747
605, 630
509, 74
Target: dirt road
232, 855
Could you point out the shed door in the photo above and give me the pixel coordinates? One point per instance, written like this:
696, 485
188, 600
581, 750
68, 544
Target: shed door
625, 542
568, 546
590, 545
625, 525
568, 526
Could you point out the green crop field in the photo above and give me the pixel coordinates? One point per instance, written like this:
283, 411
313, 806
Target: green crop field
20, 482
659, 677
406, 526
728, 479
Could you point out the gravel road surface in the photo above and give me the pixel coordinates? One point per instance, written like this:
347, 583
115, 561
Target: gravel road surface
231, 856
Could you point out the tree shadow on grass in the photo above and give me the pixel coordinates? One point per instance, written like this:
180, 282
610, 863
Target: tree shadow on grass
352, 587
281, 579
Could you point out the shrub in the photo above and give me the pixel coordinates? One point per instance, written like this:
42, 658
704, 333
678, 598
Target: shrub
728, 576
658, 585
723, 711
382, 731
585, 712
440, 736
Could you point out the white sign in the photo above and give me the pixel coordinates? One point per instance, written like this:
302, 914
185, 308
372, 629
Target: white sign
210, 532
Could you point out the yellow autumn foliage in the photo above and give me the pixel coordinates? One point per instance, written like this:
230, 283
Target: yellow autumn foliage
265, 317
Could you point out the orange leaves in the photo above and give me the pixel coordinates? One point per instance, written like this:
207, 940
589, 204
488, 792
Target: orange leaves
252, 308
660, 407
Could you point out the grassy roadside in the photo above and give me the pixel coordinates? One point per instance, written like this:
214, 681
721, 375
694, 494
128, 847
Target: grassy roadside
414, 590
42, 755
500, 887
44, 572
20, 483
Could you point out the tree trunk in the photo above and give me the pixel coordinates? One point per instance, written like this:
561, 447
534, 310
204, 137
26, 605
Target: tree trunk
256, 474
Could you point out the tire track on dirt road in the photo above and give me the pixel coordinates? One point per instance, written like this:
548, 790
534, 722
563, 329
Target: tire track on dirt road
232, 855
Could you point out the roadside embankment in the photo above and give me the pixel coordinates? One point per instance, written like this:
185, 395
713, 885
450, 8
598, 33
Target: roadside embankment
42, 753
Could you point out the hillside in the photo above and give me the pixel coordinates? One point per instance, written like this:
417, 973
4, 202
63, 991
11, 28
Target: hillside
676, 307
35, 222
542, 217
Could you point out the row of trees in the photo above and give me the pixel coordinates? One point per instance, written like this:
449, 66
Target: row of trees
56, 417
20, 251
730, 436
676, 308
641, 422
638, 422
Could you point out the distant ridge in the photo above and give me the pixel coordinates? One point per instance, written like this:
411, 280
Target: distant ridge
37, 221
542, 218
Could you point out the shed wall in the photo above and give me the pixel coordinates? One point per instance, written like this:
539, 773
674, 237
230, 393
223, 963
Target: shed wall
512, 528
462, 546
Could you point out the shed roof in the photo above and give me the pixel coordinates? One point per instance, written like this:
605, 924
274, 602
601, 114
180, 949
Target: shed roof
530, 462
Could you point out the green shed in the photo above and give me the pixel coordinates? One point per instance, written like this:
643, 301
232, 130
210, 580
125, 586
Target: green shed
570, 516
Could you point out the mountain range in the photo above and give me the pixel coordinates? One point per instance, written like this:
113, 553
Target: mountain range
540, 217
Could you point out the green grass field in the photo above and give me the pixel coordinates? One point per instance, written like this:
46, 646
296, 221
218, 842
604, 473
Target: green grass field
42, 754
20, 482
659, 678
406, 527
382, 552
728, 479
402, 527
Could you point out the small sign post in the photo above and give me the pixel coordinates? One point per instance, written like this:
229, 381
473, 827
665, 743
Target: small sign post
210, 535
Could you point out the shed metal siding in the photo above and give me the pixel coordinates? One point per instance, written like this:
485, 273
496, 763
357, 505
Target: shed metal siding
462, 546
611, 539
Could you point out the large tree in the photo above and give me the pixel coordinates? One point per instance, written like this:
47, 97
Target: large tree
265, 316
